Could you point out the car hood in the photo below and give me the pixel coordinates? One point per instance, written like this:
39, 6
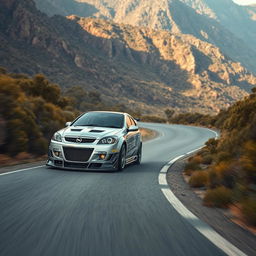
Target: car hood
89, 131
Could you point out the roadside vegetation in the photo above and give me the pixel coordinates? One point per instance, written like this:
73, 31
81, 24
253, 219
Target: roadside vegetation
226, 168
33, 108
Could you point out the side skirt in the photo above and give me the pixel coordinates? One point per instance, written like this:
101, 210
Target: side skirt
131, 159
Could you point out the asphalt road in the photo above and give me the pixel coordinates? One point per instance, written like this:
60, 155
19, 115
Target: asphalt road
55, 212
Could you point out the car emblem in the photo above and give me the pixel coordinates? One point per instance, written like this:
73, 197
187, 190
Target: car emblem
79, 140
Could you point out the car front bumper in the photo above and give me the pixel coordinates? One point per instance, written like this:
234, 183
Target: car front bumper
82, 156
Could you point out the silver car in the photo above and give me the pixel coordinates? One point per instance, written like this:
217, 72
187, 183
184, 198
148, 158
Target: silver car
97, 140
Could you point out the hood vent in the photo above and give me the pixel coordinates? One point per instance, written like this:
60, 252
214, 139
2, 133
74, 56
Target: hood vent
76, 130
96, 131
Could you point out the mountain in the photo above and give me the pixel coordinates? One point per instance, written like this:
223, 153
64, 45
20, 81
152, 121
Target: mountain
65, 7
146, 69
221, 22
240, 20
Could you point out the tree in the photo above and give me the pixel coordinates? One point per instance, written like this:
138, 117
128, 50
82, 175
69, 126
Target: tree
169, 113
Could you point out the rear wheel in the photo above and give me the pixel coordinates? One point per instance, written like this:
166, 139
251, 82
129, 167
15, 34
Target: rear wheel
139, 155
121, 158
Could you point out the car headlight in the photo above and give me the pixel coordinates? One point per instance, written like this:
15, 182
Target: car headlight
57, 137
108, 140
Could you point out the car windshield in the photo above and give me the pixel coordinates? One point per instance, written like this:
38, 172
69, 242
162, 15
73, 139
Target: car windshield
100, 119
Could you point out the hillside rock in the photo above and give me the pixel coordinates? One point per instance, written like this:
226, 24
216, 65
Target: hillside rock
146, 69
221, 22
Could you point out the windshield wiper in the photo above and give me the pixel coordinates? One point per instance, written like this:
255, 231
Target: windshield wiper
113, 127
96, 125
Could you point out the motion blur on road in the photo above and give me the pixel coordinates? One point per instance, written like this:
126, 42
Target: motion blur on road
56, 212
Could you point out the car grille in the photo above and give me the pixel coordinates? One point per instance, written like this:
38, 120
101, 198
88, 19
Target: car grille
75, 165
83, 140
77, 154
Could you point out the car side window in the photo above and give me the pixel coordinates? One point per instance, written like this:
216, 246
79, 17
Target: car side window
133, 121
128, 122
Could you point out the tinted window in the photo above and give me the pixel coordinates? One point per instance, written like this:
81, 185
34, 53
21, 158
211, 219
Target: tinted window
128, 121
133, 122
101, 119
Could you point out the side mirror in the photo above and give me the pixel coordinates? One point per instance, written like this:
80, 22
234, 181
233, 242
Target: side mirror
133, 128
68, 123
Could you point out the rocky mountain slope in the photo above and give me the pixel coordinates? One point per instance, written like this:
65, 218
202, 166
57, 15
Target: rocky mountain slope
147, 69
240, 20
221, 22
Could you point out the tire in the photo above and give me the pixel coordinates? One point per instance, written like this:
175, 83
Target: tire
139, 155
121, 159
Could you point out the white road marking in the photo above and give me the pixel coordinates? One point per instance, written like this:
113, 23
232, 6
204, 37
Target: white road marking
21, 170
199, 225
174, 160
162, 179
216, 134
192, 151
202, 227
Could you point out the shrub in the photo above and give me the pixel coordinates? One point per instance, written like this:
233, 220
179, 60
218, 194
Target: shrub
212, 145
248, 161
240, 191
39, 146
197, 159
192, 166
222, 174
207, 159
249, 210
198, 179
223, 156
23, 156
213, 179
4, 159
219, 197
188, 172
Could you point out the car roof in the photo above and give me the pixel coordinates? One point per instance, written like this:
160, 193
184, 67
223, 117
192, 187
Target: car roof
114, 112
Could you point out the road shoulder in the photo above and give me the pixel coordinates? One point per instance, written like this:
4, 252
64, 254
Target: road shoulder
217, 218
12, 168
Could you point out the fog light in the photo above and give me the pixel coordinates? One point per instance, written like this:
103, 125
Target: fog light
102, 156
57, 153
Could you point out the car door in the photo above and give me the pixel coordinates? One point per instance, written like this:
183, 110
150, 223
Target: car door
137, 137
131, 137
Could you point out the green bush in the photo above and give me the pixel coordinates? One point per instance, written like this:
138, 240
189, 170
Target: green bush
198, 179
219, 197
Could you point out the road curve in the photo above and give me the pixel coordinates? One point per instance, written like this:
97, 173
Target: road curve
52, 212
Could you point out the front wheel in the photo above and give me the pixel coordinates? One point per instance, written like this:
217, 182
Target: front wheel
121, 158
139, 155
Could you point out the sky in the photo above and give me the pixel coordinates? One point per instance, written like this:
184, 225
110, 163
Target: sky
245, 2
